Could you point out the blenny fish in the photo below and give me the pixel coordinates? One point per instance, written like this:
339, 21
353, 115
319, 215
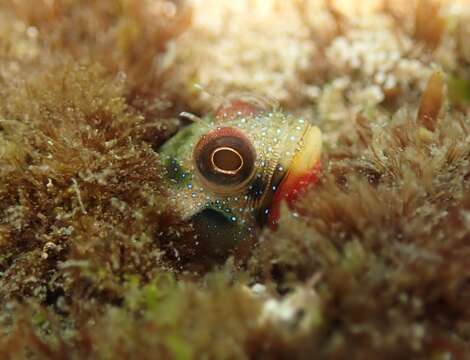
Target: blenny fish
229, 172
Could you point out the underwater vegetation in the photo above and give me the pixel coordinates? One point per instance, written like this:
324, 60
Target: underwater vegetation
100, 253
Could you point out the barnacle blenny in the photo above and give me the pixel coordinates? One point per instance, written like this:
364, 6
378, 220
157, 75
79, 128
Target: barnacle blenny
229, 172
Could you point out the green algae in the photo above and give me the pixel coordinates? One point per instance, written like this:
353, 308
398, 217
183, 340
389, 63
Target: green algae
459, 91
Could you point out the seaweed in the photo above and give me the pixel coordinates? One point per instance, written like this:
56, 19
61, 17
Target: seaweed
386, 236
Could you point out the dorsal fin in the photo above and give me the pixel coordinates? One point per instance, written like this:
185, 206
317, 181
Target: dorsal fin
243, 105
236, 108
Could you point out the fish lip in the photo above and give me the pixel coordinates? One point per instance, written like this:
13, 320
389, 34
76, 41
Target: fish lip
264, 210
301, 173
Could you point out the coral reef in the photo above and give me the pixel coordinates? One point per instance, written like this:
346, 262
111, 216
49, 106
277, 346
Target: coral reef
373, 261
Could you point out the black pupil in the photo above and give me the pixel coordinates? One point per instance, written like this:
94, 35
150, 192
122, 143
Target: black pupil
227, 160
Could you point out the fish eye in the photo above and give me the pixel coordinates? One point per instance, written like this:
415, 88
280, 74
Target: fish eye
225, 159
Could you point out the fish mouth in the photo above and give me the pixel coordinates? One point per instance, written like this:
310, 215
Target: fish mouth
302, 173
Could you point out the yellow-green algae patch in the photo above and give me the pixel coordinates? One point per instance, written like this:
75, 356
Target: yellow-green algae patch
78, 181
